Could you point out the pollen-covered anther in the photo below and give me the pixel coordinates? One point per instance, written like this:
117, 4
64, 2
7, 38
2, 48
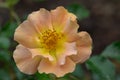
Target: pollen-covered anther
49, 39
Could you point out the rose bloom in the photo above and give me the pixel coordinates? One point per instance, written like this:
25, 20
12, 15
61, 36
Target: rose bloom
49, 43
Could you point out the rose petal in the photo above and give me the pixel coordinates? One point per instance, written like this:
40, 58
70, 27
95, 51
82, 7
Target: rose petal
60, 17
82, 55
27, 31
73, 17
69, 49
70, 30
39, 51
84, 46
59, 70
41, 19
84, 39
24, 60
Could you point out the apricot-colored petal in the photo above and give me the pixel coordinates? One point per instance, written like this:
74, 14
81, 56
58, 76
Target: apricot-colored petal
84, 39
73, 17
60, 17
69, 49
59, 70
26, 35
41, 19
84, 47
39, 51
70, 30
24, 60
82, 55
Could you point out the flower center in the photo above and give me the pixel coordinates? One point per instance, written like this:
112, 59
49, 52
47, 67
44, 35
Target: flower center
50, 40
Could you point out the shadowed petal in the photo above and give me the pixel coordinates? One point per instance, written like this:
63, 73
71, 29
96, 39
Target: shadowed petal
59, 70
24, 60
84, 47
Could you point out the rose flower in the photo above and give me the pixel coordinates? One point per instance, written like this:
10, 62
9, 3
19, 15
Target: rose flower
50, 43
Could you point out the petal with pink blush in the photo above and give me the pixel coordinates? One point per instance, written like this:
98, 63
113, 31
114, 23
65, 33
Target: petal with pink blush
27, 31
59, 70
24, 60
84, 47
41, 19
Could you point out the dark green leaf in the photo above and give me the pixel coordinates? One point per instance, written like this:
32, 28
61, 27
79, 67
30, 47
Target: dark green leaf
4, 42
4, 55
63, 78
43, 76
9, 29
4, 75
78, 71
68, 77
101, 67
112, 51
80, 11
11, 2
118, 76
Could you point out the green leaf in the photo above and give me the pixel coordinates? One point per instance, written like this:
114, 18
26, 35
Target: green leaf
3, 5
95, 76
4, 56
4, 75
101, 67
68, 77
118, 77
112, 51
8, 3
11, 2
78, 71
4, 42
80, 11
63, 78
43, 76
9, 29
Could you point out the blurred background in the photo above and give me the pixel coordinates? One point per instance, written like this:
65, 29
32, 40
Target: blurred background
100, 18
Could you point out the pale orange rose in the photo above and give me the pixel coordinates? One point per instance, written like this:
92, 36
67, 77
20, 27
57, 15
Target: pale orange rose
49, 42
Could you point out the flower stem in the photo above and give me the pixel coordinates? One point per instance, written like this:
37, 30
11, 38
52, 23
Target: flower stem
15, 16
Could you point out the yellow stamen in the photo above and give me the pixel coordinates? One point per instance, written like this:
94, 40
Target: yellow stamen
50, 39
